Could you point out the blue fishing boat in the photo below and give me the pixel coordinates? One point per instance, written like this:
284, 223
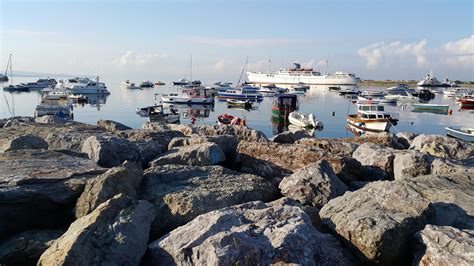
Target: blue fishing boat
241, 93
430, 108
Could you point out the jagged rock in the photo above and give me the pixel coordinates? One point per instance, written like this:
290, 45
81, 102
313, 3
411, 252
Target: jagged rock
443, 147
380, 218
123, 179
155, 126
405, 139
315, 184
51, 119
112, 126
348, 169
240, 132
227, 143
38, 188
15, 121
290, 136
198, 155
444, 245
116, 232
27, 247
446, 166
110, 151
252, 233
408, 164
333, 146
22, 142
183, 192
377, 158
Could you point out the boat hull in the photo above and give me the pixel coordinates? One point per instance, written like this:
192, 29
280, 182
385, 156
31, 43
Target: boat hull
178, 100
375, 126
452, 132
251, 97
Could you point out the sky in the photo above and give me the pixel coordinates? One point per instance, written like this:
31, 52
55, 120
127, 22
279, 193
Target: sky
155, 39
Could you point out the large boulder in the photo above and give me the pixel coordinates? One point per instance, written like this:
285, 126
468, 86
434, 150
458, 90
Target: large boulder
183, 192
290, 136
112, 126
52, 119
116, 232
444, 245
335, 147
240, 132
228, 143
379, 219
197, 155
315, 184
123, 179
109, 151
405, 139
408, 164
377, 158
252, 233
443, 147
38, 188
27, 247
22, 142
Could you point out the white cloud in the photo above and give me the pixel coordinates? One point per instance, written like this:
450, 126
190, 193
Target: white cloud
245, 42
460, 52
132, 58
380, 53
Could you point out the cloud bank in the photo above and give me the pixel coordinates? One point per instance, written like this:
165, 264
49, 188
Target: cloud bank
132, 58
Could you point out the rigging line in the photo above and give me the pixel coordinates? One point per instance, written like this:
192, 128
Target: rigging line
8, 105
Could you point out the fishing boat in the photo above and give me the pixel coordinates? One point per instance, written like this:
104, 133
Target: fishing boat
467, 102
181, 82
147, 84
246, 104
431, 108
371, 117
55, 103
226, 119
191, 95
16, 88
241, 93
296, 90
402, 96
334, 88
159, 83
379, 99
130, 85
301, 86
302, 120
466, 134
284, 104
350, 91
373, 93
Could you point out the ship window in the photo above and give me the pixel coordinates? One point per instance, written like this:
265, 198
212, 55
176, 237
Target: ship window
380, 116
380, 108
366, 108
364, 115
372, 108
372, 116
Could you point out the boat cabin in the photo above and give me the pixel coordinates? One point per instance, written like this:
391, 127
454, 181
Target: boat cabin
372, 110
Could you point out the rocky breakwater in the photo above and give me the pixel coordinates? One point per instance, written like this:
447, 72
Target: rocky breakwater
77, 194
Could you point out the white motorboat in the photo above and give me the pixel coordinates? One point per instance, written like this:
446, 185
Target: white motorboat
307, 121
190, 95
246, 104
296, 90
129, 85
55, 103
41, 84
453, 92
372, 93
267, 91
466, 134
371, 117
402, 96
378, 99
84, 86
430, 81
147, 84
241, 93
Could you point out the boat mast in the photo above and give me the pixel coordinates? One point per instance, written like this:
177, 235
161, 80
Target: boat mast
191, 68
269, 62
11, 71
327, 62
243, 68
8, 64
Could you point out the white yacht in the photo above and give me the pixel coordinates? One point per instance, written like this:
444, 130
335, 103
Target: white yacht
85, 86
190, 95
402, 96
41, 84
298, 75
430, 81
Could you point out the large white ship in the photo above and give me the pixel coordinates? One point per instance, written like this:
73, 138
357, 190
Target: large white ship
296, 75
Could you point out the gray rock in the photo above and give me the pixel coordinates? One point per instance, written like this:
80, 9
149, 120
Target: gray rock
15, 121
444, 245
241, 133
253, 233
408, 164
110, 151
227, 143
441, 166
112, 126
38, 188
380, 218
333, 146
315, 184
22, 142
197, 155
378, 157
27, 247
290, 136
51, 119
123, 179
183, 192
405, 138
443, 147
116, 232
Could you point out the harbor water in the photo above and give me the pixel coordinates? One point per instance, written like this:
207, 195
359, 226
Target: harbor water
328, 106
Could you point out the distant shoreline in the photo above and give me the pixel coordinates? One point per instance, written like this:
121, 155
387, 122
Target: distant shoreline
411, 83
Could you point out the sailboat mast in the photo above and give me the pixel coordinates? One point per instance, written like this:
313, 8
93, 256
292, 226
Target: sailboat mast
243, 69
269, 62
191, 78
11, 71
327, 63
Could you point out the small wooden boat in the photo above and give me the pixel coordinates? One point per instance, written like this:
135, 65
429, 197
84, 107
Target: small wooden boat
226, 119
466, 134
149, 110
334, 88
239, 103
307, 121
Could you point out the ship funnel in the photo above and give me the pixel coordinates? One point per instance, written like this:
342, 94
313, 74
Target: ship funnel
296, 66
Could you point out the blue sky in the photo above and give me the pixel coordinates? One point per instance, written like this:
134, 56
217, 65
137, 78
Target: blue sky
154, 39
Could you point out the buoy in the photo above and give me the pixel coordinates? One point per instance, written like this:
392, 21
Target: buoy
333, 113
450, 112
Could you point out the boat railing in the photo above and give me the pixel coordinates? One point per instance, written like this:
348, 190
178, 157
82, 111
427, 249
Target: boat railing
394, 116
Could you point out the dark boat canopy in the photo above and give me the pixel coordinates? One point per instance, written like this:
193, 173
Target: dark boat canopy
283, 100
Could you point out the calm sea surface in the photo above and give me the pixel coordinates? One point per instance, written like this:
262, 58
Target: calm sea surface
121, 104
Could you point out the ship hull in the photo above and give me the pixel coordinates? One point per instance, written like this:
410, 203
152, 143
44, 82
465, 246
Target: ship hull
264, 78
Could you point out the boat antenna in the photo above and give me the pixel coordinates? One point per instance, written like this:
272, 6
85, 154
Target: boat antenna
243, 69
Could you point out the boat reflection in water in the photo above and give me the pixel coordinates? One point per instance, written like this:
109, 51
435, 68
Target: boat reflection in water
192, 111
94, 100
280, 124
